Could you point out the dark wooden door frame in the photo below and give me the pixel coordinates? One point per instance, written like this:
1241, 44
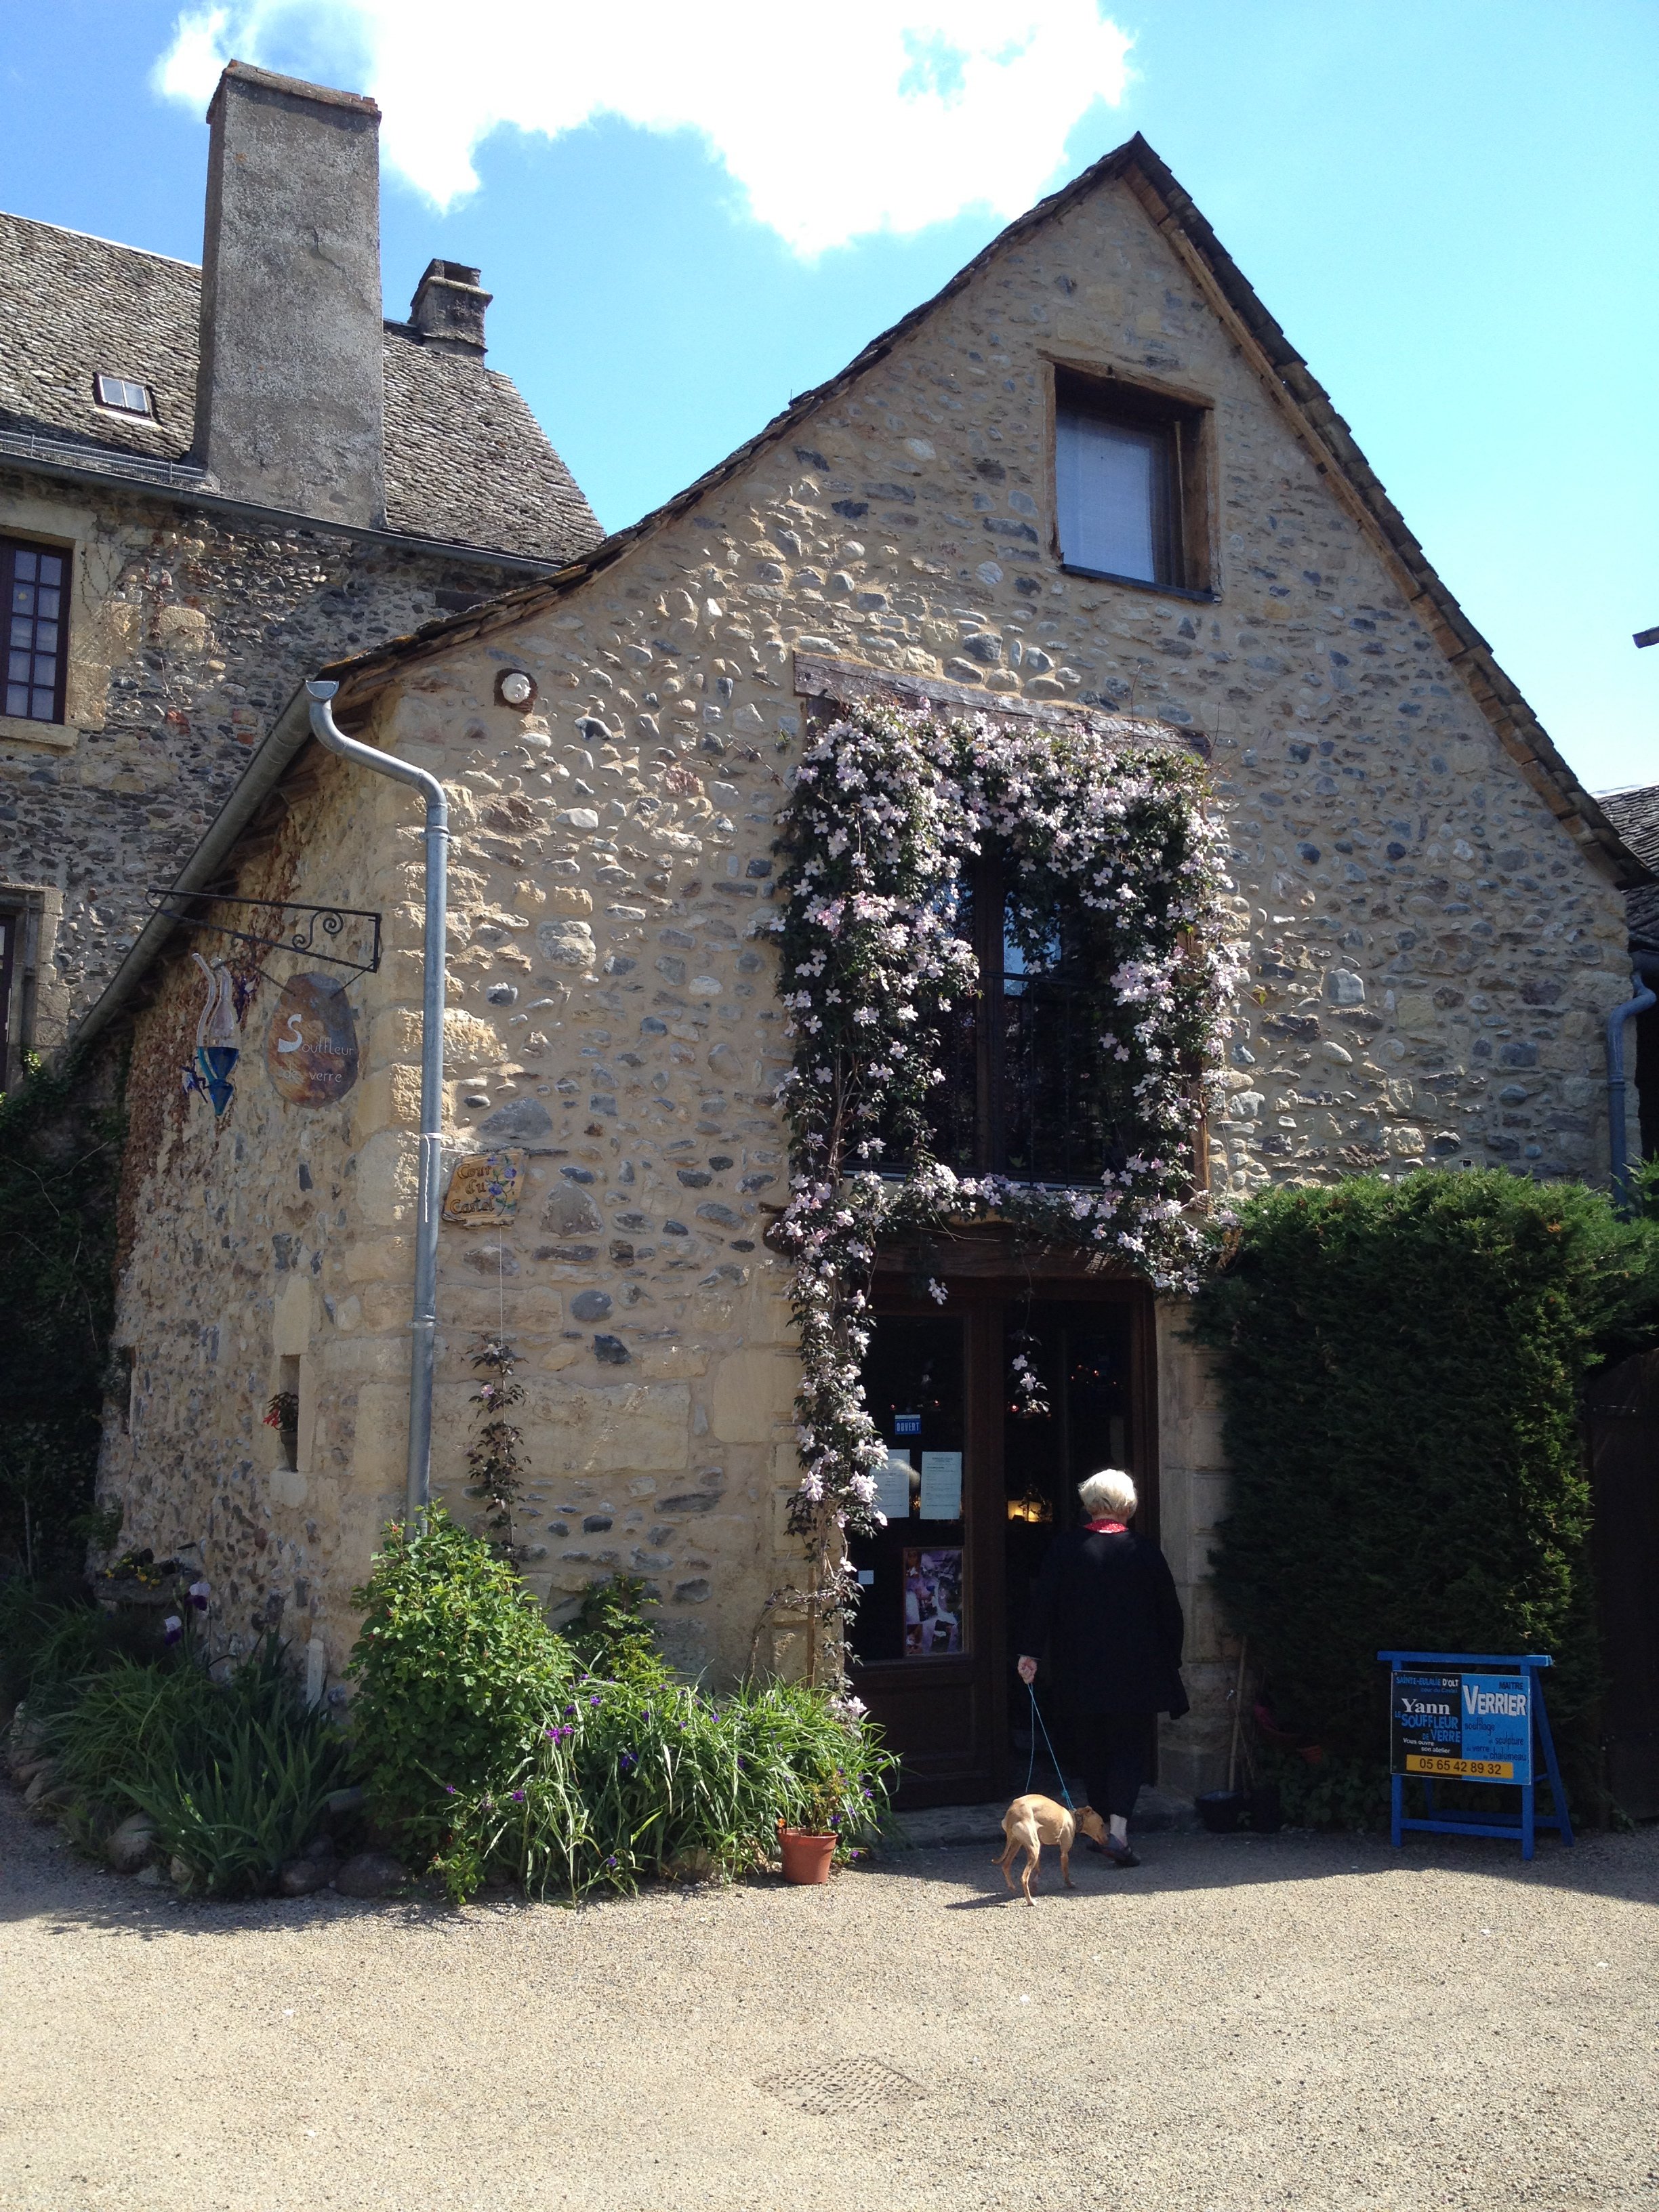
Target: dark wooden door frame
982, 1283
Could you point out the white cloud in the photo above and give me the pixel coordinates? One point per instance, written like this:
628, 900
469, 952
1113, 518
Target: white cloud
836, 120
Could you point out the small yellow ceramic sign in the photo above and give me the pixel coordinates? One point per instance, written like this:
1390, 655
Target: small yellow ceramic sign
483, 1188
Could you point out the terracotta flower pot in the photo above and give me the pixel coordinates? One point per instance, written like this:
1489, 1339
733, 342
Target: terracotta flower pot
805, 1857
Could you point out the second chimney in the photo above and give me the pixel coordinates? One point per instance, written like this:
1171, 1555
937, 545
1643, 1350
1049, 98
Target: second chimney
290, 394
448, 309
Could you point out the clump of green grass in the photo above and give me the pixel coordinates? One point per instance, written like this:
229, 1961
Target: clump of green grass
234, 1771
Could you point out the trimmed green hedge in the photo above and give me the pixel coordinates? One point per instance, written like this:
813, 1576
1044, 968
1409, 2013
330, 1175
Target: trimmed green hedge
1402, 1367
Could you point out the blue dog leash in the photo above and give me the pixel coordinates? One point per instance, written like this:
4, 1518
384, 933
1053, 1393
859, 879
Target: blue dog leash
1030, 1767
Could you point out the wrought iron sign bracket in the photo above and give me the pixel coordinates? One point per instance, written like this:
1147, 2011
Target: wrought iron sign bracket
331, 921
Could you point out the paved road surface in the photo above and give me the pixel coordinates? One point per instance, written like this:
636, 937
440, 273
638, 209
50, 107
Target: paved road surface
1240, 2024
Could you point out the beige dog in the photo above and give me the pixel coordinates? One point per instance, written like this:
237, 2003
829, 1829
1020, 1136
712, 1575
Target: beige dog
1032, 1822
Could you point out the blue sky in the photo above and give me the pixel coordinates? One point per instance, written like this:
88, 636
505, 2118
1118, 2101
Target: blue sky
687, 215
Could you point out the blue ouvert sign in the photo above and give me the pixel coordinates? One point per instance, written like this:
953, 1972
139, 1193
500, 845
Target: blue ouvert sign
1471, 1716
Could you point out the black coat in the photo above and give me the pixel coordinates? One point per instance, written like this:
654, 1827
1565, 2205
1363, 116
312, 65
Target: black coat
1107, 1606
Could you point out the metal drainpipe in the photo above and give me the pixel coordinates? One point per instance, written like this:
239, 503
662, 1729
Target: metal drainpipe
423, 1325
1642, 963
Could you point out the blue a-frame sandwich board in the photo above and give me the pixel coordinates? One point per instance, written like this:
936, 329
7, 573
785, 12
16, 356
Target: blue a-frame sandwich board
1518, 1769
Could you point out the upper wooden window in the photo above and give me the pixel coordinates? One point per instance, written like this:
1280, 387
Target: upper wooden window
1130, 501
125, 396
35, 581
1027, 1093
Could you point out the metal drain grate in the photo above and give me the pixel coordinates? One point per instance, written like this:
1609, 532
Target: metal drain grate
842, 2085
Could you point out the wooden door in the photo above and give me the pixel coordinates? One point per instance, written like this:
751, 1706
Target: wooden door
1623, 1444
945, 1584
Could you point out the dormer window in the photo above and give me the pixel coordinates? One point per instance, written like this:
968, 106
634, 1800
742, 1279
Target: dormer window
123, 395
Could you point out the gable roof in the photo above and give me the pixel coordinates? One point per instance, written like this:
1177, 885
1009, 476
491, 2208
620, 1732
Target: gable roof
1635, 816
1282, 370
466, 462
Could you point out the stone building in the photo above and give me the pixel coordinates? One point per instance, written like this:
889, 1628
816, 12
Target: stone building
209, 479
1089, 480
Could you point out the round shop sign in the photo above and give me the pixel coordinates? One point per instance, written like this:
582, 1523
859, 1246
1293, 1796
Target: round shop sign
311, 1050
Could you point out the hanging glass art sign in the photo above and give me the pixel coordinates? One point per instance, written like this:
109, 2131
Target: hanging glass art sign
311, 1047
218, 1039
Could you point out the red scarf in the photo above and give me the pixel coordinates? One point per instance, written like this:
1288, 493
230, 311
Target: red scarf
1108, 1529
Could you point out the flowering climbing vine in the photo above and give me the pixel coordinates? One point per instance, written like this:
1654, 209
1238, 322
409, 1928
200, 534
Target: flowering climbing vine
1112, 853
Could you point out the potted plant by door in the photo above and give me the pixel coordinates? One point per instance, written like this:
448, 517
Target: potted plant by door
807, 1847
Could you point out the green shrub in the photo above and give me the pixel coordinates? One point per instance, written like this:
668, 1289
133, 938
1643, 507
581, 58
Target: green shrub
610, 1635
456, 1669
1401, 1366
627, 1780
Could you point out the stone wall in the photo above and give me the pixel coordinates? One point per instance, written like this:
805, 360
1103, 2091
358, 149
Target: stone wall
187, 634
1432, 954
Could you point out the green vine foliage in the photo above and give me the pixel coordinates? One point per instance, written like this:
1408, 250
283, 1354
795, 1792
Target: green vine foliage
60, 1164
1116, 859
1402, 1367
494, 1459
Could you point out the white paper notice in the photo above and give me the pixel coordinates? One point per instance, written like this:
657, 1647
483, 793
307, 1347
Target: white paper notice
941, 1485
893, 1486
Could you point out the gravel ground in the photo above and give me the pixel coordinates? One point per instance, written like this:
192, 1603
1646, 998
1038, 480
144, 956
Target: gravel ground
1284, 2022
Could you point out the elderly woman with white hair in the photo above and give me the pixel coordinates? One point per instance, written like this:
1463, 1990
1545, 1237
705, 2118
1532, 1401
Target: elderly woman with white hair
1105, 1604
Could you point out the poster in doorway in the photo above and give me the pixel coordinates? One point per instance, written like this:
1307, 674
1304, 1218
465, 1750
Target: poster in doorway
933, 1602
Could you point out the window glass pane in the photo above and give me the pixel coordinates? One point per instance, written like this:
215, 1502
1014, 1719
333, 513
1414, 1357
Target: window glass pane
22, 630
24, 566
41, 710
22, 598
45, 636
51, 569
913, 1596
48, 603
1110, 492
46, 668
18, 669
17, 699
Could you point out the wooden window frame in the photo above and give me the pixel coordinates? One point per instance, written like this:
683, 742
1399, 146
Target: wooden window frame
1186, 419
10, 547
103, 376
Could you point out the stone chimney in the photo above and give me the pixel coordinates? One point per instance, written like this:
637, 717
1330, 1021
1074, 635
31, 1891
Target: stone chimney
289, 398
449, 308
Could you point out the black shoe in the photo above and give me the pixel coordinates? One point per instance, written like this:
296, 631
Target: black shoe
1119, 1854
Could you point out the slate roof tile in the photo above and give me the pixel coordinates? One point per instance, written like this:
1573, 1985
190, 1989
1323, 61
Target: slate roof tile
465, 459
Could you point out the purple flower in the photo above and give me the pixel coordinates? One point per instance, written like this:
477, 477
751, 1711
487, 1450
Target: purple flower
517, 1797
173, 1628
592, 1701
551, 1731
449, 1790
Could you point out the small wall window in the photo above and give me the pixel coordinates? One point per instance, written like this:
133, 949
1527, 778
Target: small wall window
1129, 495
121, 393
285, 1402
36, 582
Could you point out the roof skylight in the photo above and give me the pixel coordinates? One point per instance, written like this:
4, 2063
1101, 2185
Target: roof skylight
121, 393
